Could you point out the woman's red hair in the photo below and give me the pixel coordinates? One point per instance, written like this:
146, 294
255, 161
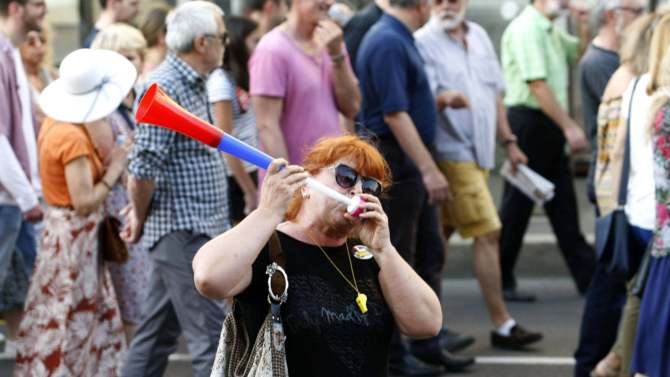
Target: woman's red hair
369, 162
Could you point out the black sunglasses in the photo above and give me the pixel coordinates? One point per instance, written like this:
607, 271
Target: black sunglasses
346, 177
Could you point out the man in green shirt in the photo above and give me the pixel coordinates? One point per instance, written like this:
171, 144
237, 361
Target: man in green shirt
536, 56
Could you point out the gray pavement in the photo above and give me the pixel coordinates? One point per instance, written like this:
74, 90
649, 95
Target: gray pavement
540, 271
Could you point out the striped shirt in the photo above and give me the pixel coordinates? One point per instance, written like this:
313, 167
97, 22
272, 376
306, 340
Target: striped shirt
190, 179
221, 87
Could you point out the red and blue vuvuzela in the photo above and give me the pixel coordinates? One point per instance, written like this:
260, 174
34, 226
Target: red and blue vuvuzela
158, 109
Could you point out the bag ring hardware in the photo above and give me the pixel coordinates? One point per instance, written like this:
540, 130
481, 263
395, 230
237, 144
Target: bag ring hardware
270, 271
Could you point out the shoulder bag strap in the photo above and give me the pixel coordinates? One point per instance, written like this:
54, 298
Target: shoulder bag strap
625, 172
278, 281
276, 252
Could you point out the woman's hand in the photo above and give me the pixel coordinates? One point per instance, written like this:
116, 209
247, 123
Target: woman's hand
280, 185
250, 201
118, 159
374, 225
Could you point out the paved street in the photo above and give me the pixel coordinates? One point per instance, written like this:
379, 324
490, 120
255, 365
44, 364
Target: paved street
541, 271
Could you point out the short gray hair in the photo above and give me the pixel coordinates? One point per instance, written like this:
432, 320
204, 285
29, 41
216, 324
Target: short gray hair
600, 9
188, 21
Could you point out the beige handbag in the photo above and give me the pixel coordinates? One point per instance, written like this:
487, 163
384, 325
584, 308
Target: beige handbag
234, 356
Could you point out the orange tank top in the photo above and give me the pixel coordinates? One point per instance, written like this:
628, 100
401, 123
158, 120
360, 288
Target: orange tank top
59, 144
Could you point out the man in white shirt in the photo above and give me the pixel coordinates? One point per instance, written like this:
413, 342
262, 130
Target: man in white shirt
19, 178
467, 83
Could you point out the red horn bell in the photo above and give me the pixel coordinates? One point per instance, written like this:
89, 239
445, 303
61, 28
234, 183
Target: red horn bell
158, 109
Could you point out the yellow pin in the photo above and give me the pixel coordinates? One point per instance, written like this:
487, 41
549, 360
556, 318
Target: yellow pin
362, 300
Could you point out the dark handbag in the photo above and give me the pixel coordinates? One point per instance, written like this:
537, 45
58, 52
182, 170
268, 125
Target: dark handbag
612, 243
110, 245
236, 355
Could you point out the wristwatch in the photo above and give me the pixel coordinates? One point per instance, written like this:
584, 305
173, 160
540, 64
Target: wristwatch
508, 140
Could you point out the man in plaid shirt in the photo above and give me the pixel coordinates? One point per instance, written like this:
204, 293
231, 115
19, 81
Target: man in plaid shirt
178, 189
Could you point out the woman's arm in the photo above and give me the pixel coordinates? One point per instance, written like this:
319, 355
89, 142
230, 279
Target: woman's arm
85, 195
223, 119
222, 267
415, 306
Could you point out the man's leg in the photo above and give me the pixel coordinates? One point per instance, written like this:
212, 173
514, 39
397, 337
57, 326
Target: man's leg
516, 208
429, 265
402, 206
10, 226
157, 333
487, 271
200, 318
27, 246
562, 213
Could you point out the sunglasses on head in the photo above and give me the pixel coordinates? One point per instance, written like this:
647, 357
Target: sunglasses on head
346, 177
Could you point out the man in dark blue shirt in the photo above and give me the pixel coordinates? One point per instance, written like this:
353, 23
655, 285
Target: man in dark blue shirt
398, 107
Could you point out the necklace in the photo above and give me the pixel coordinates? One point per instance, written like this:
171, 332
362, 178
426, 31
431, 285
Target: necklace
361, 298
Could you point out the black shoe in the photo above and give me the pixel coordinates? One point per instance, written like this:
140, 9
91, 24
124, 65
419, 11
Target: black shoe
451, 363
411, 366
453, 342
512, 295
517, 339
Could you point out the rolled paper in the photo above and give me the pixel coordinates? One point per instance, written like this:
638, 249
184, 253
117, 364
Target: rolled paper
159, 109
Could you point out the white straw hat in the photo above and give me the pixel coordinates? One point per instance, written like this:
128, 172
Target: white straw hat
91, 85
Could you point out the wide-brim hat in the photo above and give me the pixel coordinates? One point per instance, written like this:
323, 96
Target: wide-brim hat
91, 85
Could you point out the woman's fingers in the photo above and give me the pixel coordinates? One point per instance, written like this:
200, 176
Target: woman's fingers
276, 165
371, 199
298, 177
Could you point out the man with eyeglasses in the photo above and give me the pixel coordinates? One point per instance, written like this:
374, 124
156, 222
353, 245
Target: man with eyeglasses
19, 177
600, 61
179, 201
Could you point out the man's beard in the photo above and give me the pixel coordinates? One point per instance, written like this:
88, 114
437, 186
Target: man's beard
450, 20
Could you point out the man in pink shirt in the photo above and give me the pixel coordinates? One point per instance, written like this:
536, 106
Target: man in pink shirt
300, 79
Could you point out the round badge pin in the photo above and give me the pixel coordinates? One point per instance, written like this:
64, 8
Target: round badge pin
362, 252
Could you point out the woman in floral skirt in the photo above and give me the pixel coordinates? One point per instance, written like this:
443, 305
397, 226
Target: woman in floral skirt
72, 325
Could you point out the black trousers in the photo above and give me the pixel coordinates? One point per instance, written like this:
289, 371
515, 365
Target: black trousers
544, 144
414, 228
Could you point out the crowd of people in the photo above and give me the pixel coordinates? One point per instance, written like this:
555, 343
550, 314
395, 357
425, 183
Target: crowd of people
401, 104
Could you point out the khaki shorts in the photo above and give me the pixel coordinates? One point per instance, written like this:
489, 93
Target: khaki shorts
471, 210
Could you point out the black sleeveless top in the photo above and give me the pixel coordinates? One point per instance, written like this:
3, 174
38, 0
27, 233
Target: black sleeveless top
326, 333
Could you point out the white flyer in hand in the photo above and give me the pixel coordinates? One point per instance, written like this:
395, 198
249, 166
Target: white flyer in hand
533, 185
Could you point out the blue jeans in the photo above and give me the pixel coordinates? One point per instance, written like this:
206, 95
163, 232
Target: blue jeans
605, 300
15, 235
